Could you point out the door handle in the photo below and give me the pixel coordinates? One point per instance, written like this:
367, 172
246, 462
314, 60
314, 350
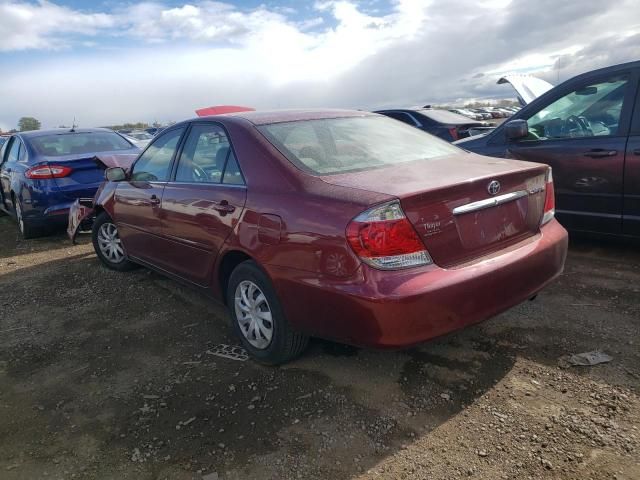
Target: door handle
154, 200
599, 153
223, 207
637, 152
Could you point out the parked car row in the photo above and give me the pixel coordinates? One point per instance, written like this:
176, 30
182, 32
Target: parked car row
442, 123
140, 138
485, 113
153, 131
347, 225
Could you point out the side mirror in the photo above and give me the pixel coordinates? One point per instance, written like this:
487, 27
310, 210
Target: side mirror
516, 129
115, 174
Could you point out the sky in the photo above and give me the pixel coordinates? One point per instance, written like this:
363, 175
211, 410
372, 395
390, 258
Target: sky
112, 61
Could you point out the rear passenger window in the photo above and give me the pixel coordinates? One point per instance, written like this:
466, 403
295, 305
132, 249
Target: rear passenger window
232, 175
14, 151
22, 156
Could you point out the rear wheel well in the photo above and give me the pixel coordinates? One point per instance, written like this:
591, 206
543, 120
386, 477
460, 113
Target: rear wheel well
228, 264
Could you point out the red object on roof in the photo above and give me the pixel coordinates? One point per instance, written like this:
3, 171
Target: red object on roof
222, 109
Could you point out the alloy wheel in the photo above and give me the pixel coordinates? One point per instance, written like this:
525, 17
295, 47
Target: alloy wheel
253, 314
109, 243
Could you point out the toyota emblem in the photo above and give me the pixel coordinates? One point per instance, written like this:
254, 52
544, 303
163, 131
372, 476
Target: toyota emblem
494, 187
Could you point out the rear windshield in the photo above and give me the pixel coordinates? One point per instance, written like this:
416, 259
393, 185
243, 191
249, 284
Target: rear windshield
444, 116
60, 144
338, 145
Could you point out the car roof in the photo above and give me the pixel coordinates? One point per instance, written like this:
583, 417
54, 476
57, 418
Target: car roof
60, 131
265, 117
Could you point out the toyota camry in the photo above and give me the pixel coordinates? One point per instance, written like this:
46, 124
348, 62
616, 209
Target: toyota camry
344, 225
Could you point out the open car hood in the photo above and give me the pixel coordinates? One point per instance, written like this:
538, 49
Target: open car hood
528, 87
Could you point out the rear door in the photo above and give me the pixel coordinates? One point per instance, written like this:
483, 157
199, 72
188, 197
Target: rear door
2, 151
202, 203
8, 161
582, 133
631, 208
137, 200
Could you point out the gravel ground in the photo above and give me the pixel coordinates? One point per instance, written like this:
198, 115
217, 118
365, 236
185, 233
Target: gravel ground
111, 375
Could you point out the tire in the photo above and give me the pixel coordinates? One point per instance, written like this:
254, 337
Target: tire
106, 243
284, 343
26, 229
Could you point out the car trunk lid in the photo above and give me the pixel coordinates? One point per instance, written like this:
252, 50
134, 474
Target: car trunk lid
87, 172
449, 202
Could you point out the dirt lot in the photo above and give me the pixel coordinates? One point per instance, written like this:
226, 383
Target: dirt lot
110, 375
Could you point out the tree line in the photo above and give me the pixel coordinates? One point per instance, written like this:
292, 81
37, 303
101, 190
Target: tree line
26, 124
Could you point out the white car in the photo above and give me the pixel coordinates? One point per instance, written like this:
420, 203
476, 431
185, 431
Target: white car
139, 138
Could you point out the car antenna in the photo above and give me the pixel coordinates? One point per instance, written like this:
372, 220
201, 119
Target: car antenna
73, 126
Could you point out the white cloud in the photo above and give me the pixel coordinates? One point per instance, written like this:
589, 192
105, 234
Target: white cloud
203, 53
205, 21
45, 25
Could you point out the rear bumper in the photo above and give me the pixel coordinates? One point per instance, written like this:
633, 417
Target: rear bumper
52, 216
403, 308
58, 211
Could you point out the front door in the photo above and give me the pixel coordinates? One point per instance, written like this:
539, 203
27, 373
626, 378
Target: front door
202, 203
631, 209
582, 135
137, 200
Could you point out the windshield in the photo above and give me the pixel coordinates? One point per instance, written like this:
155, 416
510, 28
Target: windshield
60, 144
337, 145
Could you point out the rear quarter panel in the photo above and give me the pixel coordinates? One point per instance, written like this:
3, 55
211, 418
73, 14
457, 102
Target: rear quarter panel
292, 221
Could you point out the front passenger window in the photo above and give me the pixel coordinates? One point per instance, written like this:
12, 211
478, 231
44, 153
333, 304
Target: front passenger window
155, 163
590, 111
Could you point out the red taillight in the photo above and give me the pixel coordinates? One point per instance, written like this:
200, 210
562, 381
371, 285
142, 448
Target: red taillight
383, 238
454, 133
549, 200
48, 171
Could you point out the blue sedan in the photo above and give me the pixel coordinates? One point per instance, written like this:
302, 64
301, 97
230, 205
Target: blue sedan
43, 172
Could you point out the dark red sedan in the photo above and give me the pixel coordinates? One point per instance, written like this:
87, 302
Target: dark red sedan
338, 224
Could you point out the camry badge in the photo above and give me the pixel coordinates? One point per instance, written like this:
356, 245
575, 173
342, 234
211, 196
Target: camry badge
494, 187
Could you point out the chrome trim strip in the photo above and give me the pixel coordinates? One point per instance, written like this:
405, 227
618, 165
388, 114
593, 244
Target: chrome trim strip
489, 202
